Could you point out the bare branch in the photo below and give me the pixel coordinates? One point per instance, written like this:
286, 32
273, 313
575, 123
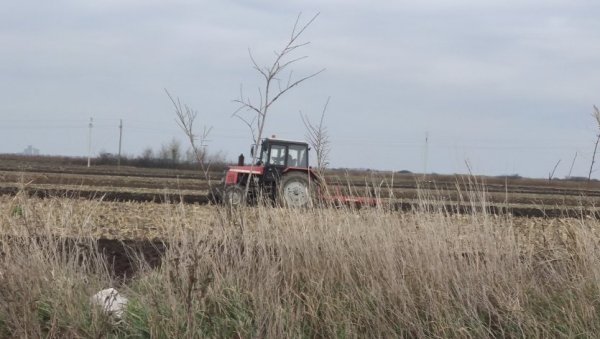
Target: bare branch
323, 112
286, 64
247, 106
318, 137
289, 81
261, 99
294, 37
250, 125
572, 165
256, 67
295, 26
296, 83
551, 174
593, 158
185, 118
293, 47
596, 115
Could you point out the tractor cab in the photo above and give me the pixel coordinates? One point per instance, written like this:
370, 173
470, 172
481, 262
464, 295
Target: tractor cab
280, 156
283, 153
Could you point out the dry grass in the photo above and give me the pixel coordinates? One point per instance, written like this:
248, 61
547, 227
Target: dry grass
99, 219
270, 272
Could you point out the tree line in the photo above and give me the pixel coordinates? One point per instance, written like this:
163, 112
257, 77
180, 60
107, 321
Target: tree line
169, 155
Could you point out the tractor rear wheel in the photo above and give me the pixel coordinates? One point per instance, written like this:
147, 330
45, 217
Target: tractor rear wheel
295, 190
233, 196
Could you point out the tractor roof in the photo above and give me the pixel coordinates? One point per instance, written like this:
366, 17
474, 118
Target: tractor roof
276, 140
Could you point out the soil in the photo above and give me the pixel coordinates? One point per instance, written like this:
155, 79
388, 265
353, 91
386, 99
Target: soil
521, 196
118, 255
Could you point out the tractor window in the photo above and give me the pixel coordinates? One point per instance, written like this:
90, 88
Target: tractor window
277, 155
297, 156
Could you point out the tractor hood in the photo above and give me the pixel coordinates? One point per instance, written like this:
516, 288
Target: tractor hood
231, 177
256, 169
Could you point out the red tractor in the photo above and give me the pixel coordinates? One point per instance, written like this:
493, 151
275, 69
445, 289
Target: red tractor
281, 174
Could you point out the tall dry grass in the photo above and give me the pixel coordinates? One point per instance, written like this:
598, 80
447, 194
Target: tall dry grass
326, 272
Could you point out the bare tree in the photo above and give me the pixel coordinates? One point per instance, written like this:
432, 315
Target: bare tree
254, 112
185, 118
318, 138
190, 156
147, 154
597, 117
164, 155
174, 149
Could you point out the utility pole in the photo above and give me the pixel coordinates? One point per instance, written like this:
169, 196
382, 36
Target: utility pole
120, 138
425, 153
90, 142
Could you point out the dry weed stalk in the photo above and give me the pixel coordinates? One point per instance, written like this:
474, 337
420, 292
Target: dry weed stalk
551, 174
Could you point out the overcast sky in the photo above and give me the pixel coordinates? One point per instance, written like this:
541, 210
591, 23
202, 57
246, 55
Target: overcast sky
506, 85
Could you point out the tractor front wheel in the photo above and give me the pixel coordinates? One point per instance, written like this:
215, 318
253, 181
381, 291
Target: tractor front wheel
295, 190
233, 196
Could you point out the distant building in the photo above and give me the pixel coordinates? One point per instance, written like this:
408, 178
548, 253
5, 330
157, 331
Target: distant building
30, 150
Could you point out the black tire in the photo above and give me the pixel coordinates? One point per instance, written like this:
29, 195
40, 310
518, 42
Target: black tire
295, 190
233, 196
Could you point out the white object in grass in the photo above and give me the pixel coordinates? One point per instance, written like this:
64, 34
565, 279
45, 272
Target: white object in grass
111, 301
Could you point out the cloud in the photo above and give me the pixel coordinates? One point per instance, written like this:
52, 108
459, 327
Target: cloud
505, 72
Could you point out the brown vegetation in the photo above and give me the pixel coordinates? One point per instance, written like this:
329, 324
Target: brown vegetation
271, 272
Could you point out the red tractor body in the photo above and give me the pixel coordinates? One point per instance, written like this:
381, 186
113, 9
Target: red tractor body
281, 173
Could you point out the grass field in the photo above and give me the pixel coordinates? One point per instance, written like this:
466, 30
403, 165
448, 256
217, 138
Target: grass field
199, 270
272, 272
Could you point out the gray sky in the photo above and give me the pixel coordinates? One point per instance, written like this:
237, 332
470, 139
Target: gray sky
507, 85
